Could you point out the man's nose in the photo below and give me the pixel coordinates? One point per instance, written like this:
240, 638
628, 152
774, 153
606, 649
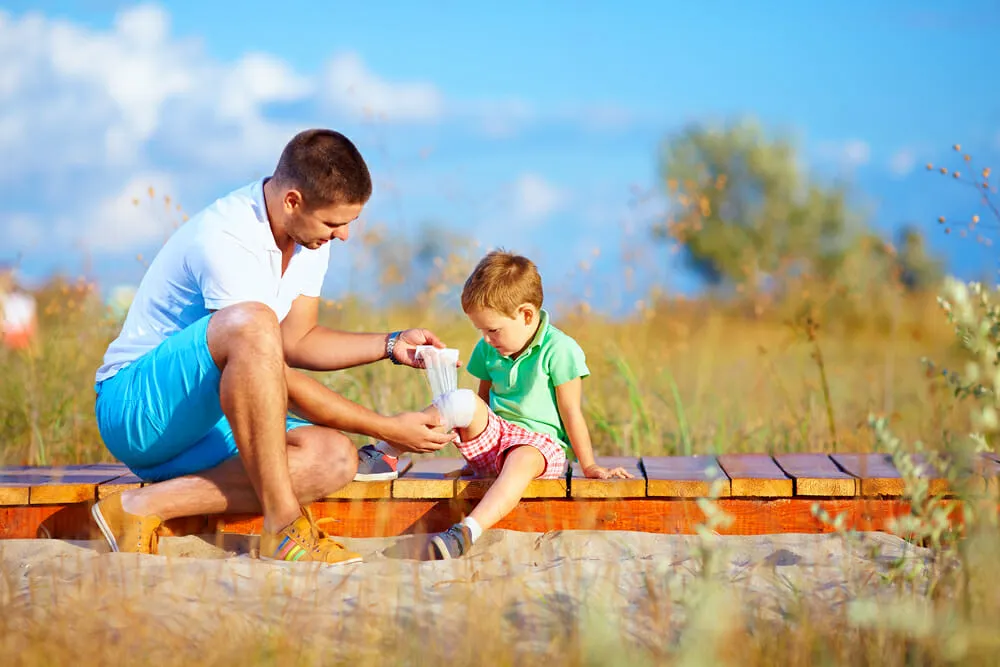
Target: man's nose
341, 233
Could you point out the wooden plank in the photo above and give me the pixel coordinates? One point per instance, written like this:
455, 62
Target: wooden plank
750, 516
70, 484
356, 490
756, 475
118, 484
13, 490
683, 476
381, 518
430, 477
474, 488
875, 471
816, 475
582, 487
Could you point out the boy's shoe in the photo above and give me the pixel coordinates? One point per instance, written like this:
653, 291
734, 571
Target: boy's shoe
375, 466
129, 533
303, 541
452, 543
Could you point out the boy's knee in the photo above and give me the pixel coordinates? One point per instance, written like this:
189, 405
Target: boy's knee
457, 407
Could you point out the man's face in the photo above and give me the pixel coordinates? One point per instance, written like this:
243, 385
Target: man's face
314, 227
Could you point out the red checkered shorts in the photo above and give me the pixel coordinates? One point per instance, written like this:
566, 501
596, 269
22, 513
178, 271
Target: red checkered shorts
486, 452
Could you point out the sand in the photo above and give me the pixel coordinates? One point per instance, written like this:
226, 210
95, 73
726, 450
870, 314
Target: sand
530, 590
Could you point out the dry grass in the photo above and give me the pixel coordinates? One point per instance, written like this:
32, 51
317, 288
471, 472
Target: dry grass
677, 378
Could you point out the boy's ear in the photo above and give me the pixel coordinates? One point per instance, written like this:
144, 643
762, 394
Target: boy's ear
529, 312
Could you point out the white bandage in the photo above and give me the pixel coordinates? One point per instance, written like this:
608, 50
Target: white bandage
457, 407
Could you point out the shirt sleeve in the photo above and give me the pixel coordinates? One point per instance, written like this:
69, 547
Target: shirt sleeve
227, 273
567, 361
476, 365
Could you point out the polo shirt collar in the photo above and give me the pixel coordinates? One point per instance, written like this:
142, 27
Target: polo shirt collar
543, 330
260, 210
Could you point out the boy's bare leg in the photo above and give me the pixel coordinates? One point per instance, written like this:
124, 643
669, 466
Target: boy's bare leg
523, 464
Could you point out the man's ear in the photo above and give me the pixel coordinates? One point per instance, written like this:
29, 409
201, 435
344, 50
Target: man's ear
292, 199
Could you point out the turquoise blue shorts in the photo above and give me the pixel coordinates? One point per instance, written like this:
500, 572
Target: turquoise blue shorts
161, 416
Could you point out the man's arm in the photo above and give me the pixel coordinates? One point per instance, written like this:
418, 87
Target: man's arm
310, 346
316, 403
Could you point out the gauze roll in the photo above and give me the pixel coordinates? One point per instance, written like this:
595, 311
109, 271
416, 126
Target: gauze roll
441, 366
457, 406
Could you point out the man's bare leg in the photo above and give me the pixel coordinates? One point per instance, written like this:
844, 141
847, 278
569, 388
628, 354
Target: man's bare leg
245, 343
320, 461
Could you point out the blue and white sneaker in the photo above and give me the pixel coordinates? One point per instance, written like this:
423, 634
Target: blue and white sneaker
375, 466
452, 543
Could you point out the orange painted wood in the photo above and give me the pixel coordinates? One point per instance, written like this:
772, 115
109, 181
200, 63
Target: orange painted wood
67, 522
683, 476
756, 475
582, 487
816, 475
877, 474
432, 477
381, 518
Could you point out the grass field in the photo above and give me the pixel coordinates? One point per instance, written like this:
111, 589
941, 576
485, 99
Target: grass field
678, 377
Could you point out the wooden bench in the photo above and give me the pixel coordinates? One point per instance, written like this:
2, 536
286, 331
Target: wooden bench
764, 494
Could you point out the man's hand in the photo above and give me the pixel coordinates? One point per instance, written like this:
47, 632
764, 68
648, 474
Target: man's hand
416, 432
595, 471
405, 350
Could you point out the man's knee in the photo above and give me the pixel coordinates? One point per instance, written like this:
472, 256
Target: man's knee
329, 456
250, 325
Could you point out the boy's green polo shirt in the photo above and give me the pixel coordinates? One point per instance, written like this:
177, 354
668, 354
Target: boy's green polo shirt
524, 389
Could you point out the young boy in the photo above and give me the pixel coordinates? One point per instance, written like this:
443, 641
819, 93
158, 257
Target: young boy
528, 404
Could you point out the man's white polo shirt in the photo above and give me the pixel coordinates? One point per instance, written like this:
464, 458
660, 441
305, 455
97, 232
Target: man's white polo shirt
224, 255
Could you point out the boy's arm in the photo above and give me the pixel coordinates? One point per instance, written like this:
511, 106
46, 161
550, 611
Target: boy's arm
484, 390
569, 401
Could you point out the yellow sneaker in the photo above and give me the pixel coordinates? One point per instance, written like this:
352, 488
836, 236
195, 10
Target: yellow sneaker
303, 540
128, 533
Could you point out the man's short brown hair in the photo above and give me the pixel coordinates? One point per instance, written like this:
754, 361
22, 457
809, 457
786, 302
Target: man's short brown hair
326, 168
502, 281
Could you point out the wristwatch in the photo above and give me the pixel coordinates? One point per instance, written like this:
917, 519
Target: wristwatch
390, 344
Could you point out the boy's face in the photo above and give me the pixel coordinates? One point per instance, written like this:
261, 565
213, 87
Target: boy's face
507, 335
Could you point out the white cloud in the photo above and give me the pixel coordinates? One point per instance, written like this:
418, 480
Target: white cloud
348, 85
848, 154
902, 162
136, 216
535, 199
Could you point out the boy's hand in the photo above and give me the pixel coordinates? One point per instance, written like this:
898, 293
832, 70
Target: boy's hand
595, 471
405, 351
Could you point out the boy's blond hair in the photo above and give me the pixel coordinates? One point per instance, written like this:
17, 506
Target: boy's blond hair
502, 281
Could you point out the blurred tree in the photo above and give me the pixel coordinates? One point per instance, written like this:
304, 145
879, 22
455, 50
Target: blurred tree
745, 213
919, 270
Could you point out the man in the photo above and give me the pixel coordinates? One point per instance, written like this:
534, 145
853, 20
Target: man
195, 392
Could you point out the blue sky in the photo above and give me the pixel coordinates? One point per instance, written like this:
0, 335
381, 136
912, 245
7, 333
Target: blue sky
523, 124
